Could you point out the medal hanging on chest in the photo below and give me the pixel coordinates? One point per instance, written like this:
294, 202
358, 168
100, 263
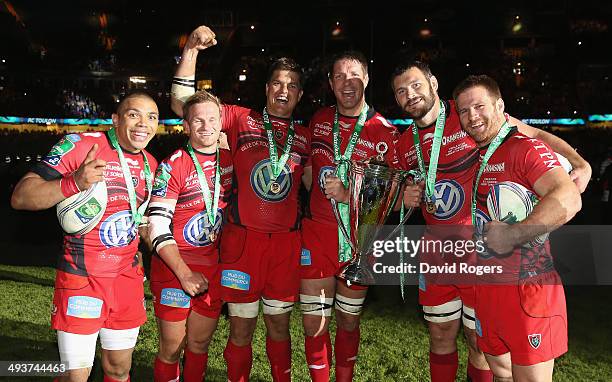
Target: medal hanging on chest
212, 203
430, 179
430, 206
275, 187
277, 163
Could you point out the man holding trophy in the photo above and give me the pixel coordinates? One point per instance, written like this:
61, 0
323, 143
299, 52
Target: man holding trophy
351, 130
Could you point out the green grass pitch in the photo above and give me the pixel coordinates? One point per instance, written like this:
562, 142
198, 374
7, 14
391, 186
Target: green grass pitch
394, 343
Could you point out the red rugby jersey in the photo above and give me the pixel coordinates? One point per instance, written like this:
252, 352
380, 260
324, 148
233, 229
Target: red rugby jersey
177, 179
521, 160
377, 133
456, 167
110, 248
253, 204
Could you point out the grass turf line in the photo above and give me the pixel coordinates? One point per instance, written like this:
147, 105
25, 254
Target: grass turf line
394, 342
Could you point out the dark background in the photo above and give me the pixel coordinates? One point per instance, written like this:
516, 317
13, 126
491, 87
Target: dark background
74, 59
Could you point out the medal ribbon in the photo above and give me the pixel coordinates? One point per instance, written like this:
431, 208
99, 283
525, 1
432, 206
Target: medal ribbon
344, 248
211, 210
137, 212
277, 165
430, 180
495, 143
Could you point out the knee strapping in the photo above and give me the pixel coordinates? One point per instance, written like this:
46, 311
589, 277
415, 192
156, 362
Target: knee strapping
316, 305
347, 305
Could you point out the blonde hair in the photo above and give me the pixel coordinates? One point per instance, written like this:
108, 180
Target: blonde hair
200, 97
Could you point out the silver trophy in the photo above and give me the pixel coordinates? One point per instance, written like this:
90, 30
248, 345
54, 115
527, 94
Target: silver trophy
374, 189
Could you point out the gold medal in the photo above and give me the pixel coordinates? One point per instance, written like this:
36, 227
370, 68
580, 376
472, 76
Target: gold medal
275, 187
212, 237
430, 207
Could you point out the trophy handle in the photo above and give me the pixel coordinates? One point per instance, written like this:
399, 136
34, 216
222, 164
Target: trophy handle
343, 228
416, 177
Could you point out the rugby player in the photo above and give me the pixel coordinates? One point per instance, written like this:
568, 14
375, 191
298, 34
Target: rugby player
522, 336
99, 283
351, 130
416, 92
260, 247
191, 190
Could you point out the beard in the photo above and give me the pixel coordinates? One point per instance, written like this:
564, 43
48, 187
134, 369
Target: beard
428, 104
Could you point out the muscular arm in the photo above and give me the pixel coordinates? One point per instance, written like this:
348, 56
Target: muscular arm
581, 173
33, 193
200, 39
559, 202
160, 218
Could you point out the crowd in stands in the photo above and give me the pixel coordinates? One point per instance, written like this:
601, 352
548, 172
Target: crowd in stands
79, 106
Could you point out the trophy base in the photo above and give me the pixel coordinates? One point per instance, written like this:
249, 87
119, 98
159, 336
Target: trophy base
357, 274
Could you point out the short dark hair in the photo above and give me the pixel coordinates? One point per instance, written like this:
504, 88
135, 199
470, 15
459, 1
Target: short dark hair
407, 64
352, 55
478, 80
134, 94
197, 98
285, 63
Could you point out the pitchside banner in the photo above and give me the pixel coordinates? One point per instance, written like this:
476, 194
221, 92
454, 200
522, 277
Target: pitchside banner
582, 255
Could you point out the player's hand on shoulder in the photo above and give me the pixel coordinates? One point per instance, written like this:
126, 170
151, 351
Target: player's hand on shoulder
413, 194
201, 38
193, 283
91, 170
334, 189
498, 238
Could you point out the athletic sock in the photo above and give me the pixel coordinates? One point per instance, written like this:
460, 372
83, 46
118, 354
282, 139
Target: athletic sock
194, 367
347, 347
443, 367
478, 375
239, 360
318, 356
279, 355
165, 372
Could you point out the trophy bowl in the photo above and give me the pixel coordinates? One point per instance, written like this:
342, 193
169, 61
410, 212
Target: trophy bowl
374, 189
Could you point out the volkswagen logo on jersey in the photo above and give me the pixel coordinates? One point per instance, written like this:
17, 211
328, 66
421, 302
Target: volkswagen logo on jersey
118, 230
324, 172
261, 183
449, 198
197, 230
481, 219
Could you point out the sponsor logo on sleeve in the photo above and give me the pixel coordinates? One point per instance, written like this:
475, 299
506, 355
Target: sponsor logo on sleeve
61, 148
160, 186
